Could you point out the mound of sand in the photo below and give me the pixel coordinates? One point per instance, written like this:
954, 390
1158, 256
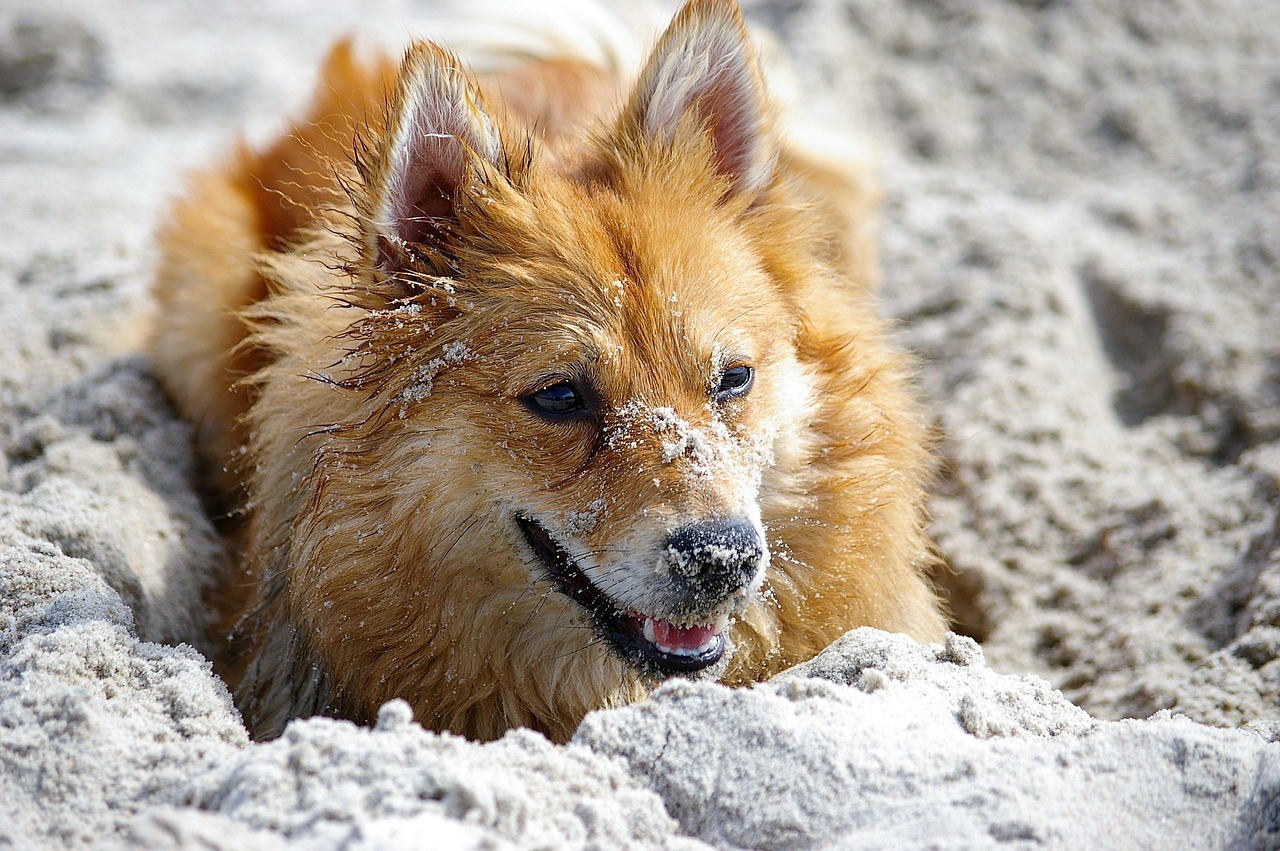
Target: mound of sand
1081, 238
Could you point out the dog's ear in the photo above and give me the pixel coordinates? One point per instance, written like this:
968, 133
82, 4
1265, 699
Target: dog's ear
704, 69
437, 132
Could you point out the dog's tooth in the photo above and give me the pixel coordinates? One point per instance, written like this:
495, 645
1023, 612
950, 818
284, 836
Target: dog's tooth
650, 635
722, 623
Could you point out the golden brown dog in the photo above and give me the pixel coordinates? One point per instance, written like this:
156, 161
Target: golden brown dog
541, 386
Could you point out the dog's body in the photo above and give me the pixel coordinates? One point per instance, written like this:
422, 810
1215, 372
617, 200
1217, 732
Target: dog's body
558, 387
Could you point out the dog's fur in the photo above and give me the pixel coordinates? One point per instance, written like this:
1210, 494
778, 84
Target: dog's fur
368, 320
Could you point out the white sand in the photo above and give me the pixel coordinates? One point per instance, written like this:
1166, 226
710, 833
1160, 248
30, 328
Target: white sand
1083, 240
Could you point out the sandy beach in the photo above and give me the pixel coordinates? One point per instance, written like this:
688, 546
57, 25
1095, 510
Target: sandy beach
1080, 240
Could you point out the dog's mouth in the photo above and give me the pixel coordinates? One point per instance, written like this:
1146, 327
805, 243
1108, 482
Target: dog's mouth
655, 645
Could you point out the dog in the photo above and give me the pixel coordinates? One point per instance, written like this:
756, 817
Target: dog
527, 390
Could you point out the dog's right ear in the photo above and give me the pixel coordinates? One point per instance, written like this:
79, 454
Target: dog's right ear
437, 131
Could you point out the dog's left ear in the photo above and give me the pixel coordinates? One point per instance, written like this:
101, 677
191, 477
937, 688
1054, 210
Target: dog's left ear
704, 69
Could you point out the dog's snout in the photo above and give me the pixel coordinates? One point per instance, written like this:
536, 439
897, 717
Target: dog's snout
716, 556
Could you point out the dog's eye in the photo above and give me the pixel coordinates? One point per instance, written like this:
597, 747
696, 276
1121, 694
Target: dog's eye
558, 400
735, 381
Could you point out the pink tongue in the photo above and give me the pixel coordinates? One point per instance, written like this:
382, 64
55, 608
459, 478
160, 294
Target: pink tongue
669, 636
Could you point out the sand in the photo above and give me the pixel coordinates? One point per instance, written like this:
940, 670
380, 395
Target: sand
1082, 242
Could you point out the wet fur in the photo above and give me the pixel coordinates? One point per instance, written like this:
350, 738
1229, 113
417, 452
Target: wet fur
355, 374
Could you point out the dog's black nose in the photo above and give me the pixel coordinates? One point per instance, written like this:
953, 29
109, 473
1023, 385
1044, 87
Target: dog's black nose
716, 557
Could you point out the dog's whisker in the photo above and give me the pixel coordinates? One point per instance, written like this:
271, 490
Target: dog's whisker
453, 540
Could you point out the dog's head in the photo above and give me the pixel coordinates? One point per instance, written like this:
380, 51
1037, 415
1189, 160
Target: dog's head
586, 364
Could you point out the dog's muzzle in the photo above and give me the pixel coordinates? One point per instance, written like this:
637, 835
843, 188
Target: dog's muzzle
707, 569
